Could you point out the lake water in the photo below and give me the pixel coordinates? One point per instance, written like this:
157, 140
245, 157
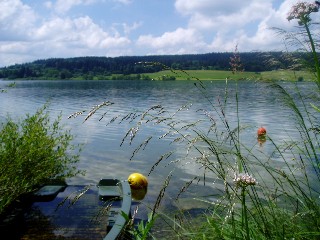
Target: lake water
104, 156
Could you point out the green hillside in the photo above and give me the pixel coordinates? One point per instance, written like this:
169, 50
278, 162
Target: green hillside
209, 66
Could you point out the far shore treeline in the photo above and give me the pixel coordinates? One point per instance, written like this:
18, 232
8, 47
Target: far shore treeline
142, 67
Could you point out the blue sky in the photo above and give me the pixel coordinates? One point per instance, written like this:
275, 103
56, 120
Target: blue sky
34, 29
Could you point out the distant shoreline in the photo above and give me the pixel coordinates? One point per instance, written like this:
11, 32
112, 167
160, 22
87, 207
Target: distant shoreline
203, 75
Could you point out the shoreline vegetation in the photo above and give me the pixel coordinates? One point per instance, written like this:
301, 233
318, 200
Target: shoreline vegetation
211, 75
210, 66
260, 198
203, 75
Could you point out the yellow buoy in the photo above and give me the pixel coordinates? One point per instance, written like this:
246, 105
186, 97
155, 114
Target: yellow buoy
138, 194
137, 181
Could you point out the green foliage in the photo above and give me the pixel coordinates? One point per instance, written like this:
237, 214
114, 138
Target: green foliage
34, 151
269, 208
281, 224
87, 68
142, 230
283, 203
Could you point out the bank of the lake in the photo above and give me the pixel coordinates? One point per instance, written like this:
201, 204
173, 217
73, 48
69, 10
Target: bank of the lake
203, 75
104, 155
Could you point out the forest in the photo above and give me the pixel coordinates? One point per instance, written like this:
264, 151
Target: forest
91, 67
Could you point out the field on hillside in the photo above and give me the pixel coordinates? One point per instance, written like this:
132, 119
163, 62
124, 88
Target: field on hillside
286, 75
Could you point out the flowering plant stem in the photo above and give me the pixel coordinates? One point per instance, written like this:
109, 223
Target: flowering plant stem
314, 52
244, 212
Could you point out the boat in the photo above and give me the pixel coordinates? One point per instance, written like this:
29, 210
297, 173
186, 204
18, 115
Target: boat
58, 210
116, 189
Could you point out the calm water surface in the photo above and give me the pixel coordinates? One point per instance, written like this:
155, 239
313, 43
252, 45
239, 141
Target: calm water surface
103, 157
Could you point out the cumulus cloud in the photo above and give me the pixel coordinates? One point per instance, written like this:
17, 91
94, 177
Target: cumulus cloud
216, 15
63, 6
54, 29
125, 27
123, 1
76, 37
210, 7
179, 36
129, 28
216, 25
179, 41
80, 31
226, 21
213, 25
26, 36
15, 19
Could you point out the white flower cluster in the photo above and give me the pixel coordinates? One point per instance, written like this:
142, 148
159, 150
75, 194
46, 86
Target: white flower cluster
244, 180
302, 10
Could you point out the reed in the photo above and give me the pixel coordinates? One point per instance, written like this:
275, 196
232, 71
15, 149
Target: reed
258, 199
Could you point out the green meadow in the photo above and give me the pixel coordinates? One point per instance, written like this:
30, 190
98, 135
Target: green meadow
285, 75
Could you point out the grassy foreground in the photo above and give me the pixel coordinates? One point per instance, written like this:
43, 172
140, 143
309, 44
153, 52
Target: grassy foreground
260, 198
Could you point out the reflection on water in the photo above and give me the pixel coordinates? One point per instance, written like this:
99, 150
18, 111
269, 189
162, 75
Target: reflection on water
69, 220
76, 212
104, 157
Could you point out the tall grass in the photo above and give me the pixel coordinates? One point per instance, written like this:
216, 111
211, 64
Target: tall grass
259, 198
281, 203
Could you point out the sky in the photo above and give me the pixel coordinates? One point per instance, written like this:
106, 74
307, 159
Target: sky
41, 29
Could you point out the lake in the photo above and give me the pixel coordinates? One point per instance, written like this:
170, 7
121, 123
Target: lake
105, 157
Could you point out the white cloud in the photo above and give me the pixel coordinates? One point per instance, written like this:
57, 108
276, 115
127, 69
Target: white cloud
63, 6
210, 7
123, 1
179, 36
227, 15
26, 36
79, 33
16, 19
228, 22
125, 27
267, 38
48, 4
129, 28
177, 42
13, 47
206, 26
213, 25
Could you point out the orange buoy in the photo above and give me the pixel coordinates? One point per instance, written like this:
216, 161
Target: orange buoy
261, 140
261, 132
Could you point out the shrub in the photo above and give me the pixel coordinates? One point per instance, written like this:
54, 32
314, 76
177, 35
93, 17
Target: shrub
34, 151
